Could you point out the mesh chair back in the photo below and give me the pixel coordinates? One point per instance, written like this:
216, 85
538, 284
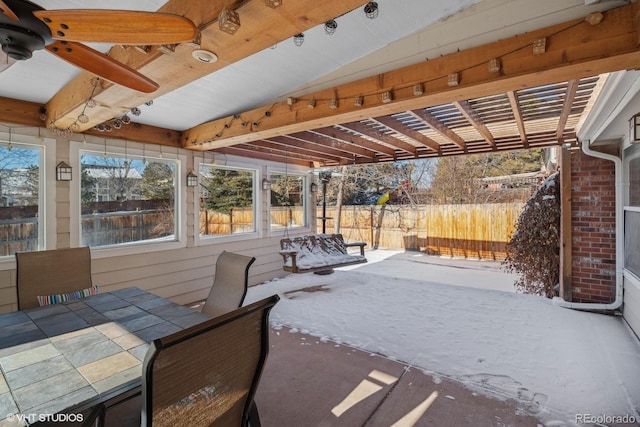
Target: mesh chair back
207, 375
49, 272
230, 284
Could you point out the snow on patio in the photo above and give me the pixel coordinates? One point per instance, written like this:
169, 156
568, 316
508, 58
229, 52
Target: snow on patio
556, 362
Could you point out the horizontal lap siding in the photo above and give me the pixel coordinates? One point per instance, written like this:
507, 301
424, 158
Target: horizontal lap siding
182, 275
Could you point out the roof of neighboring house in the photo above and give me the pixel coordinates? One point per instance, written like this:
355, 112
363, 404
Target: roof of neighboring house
107, 173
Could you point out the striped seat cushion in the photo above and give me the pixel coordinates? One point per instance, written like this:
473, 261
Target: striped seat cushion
58, 298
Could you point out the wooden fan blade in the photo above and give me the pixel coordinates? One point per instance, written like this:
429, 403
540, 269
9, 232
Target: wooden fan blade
102, 65
117, 26
7, 11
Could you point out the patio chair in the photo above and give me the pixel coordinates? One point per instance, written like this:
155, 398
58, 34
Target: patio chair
53, 275
207, 375
230, 284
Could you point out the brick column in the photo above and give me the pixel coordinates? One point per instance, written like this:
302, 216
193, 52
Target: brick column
593, 228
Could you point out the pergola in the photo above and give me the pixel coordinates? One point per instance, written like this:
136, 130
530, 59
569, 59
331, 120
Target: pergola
526, 91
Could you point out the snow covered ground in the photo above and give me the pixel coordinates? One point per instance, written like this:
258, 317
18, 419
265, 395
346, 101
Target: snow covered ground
461, 319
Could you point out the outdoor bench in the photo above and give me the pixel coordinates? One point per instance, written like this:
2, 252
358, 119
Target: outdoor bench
318, 252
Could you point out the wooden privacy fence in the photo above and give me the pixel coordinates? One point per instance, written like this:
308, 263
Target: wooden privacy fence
122, 227
237, 220
471, 231
240, 220
18, 235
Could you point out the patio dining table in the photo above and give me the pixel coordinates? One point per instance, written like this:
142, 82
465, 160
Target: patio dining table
64, 358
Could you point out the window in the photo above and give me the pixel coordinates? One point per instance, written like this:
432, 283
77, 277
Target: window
633, 173
632, 210
127, 199
632, 242
21, 198
288, 207
227, 200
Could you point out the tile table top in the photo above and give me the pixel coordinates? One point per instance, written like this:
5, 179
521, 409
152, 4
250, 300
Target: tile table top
80, 352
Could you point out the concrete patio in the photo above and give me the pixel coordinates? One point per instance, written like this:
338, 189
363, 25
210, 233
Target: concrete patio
316, 377
312, 383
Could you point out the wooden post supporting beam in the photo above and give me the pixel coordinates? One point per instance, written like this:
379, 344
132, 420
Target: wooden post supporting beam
565, 224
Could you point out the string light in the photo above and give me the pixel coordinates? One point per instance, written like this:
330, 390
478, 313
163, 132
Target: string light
371, 10
493, 65
330, 26
82, 117
229, 21
273, 3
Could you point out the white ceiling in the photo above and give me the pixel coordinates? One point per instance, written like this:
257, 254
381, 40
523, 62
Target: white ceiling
405, 32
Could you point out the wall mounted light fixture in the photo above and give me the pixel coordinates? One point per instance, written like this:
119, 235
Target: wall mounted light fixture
64, 172
634, 129
266, 184
192, 179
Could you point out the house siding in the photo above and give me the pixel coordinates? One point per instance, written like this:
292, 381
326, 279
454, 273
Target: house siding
183, 275
593, 229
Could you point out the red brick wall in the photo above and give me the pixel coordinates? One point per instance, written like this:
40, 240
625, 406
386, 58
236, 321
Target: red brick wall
593, 228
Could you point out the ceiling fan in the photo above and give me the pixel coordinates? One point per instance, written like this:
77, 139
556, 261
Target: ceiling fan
26, 27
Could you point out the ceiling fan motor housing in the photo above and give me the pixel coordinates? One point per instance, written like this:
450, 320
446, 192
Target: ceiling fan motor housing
19, 43
21, 38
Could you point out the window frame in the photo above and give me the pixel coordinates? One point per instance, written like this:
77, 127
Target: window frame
306, 194
630, 153
47, 228
310, 213
126, 148
203, 240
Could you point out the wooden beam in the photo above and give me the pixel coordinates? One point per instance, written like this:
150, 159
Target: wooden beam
517, 114
247, 151
572, 89
310, 146
324, 140
261, 27
297, 153
472, 117
380, 137
345, 136
142, 133
575, 49
27, 113
403, 129
20, 112
439, 127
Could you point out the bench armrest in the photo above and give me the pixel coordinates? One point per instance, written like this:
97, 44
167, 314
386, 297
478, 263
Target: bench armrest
289, 253
360, 244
